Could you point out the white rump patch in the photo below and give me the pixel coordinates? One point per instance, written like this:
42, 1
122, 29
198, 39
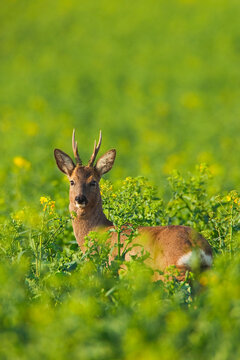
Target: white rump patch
185, 260
205, 258
191, 257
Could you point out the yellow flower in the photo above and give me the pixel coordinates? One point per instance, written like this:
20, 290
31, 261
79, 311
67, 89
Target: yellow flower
31, 128
237, 201
43, 200
20, 162
191, 100
202, 167
19, 215
48, 204
203, 280
233, 195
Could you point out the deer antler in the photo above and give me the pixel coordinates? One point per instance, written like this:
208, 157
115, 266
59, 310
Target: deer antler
95, 150
75, 149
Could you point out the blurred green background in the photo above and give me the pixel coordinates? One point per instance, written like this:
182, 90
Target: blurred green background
160, 78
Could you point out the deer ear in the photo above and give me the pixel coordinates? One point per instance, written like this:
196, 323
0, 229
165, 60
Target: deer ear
64, 162
105, 162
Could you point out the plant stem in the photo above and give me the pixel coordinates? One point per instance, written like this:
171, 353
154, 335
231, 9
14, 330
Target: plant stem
40, 246
37, 265
119, 244
231, 228
40, 254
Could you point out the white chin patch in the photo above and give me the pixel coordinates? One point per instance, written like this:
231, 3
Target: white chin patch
80, 206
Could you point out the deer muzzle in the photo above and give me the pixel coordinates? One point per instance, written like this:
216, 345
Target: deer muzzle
81, 201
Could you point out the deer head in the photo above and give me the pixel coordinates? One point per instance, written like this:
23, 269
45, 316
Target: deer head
84, 193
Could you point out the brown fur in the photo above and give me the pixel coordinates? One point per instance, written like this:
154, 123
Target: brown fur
166, 244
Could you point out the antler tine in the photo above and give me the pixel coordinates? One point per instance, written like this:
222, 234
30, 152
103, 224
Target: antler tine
95, 150
75, 149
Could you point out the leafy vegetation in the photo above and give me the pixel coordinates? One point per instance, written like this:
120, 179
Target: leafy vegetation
57, 301
161, 80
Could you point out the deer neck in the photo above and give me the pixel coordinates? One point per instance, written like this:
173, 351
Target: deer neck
89, 220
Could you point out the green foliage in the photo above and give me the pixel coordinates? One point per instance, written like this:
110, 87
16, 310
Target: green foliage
217, 217
160, 79
135, 201
142, 208
59, 302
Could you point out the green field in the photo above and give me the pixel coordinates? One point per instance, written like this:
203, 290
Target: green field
161, 79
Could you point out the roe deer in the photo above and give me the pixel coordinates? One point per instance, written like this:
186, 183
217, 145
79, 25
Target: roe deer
167, 245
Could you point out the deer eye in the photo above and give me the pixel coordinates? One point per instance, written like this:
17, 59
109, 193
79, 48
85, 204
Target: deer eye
71, 182
93, 183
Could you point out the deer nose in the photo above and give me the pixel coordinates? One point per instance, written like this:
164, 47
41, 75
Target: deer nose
81, 199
